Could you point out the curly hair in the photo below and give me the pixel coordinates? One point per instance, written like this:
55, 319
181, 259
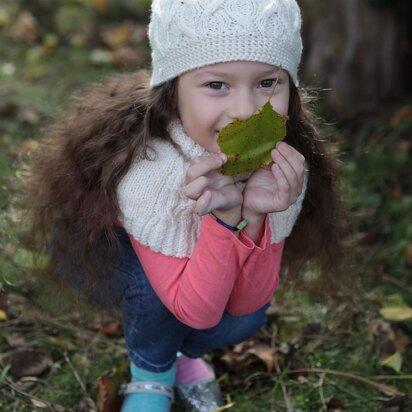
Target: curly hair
88, 150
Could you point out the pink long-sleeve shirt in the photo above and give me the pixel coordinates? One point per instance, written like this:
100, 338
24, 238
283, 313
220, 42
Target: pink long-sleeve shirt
224, 273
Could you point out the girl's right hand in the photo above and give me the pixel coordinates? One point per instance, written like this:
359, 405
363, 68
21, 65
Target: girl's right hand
211, 190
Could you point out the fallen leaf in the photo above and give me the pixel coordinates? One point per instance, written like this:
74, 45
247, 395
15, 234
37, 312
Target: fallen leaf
99, 56
335, 405
383, 337
26, 28
15, 340
5, 18
26, 362
404, 113
396, 313
128, 57
408, 254
61, 343
8, 109
401, 339
108, 399
104, 322
117, 36
393, 361
248, 143
100, 5
264, 353
3, 315
302, 379
394, 404
39, 404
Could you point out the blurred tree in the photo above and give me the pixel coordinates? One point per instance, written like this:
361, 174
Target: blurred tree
358, 48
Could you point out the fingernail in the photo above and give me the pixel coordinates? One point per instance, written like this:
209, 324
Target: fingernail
223, 157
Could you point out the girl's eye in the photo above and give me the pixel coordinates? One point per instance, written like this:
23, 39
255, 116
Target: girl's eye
215, 85
268, 83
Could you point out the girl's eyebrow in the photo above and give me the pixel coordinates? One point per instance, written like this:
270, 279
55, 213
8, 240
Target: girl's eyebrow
212, 73
273, 72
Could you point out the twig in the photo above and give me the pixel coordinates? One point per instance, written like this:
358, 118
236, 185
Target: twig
380, 386
79, 380
393, 377
396, 282
282, 385
76, 375
321, 394
77, 329
9, 383
348, 392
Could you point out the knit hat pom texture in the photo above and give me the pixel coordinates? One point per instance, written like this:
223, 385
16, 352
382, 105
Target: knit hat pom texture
188, 34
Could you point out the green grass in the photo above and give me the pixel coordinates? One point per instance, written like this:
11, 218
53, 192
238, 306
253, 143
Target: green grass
378, 190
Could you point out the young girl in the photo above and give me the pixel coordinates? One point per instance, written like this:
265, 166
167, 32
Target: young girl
132, 201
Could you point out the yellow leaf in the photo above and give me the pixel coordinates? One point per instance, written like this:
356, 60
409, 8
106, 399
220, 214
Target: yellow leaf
396, 313
393, 361
3, 315
39, 404
100, 4
229, 404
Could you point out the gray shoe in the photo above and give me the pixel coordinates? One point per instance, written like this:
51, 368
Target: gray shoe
203, 396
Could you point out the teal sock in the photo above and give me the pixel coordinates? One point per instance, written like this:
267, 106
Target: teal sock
153, 402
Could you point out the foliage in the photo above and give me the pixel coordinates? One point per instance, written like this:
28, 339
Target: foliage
248, 143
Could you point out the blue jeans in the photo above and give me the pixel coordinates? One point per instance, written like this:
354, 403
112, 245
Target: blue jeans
152, 333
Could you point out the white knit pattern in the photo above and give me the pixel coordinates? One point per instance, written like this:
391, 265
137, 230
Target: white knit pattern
155, 210
188, 34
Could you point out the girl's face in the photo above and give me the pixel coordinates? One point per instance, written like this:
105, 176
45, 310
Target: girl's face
213, 96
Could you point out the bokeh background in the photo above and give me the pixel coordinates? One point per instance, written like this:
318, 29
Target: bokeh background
329, 345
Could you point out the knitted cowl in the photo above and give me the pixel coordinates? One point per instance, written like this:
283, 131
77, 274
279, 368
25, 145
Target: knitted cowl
155, 210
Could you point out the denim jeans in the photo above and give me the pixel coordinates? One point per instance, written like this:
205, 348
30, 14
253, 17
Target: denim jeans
152, 333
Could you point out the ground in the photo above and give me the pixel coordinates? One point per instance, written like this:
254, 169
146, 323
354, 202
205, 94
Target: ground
346, 347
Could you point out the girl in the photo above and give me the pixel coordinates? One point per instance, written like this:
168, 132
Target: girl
131, 199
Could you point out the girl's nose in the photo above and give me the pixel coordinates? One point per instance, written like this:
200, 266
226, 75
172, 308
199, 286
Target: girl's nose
243, 105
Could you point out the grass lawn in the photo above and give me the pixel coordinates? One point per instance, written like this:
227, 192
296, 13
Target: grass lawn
320, 351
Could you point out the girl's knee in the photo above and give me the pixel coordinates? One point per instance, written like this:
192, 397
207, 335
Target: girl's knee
230, 331
248, 325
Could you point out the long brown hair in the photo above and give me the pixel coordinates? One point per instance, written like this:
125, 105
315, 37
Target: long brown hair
89, 149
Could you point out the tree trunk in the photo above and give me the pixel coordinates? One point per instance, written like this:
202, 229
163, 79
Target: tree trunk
357, 50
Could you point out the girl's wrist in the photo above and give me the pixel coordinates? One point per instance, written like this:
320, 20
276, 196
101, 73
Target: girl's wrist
230, 216
256, 226
252, 217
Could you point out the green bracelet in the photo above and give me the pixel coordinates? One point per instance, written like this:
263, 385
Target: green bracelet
237, 228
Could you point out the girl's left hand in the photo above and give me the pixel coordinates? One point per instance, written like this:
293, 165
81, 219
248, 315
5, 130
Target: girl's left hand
275, 187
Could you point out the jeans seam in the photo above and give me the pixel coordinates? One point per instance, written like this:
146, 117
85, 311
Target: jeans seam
138, 360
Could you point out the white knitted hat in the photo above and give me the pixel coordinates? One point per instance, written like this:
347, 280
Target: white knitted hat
188, 34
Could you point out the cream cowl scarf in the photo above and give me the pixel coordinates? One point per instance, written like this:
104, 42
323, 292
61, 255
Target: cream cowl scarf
157, 213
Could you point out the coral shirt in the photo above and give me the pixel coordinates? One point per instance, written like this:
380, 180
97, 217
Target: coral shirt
224, 273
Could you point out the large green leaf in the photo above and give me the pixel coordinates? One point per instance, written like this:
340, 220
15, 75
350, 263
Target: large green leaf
248, 143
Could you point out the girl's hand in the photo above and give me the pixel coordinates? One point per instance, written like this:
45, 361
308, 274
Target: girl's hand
211, 190
275, 187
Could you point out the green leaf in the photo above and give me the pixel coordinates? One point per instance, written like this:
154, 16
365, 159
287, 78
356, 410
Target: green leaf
248, 143
393, 361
